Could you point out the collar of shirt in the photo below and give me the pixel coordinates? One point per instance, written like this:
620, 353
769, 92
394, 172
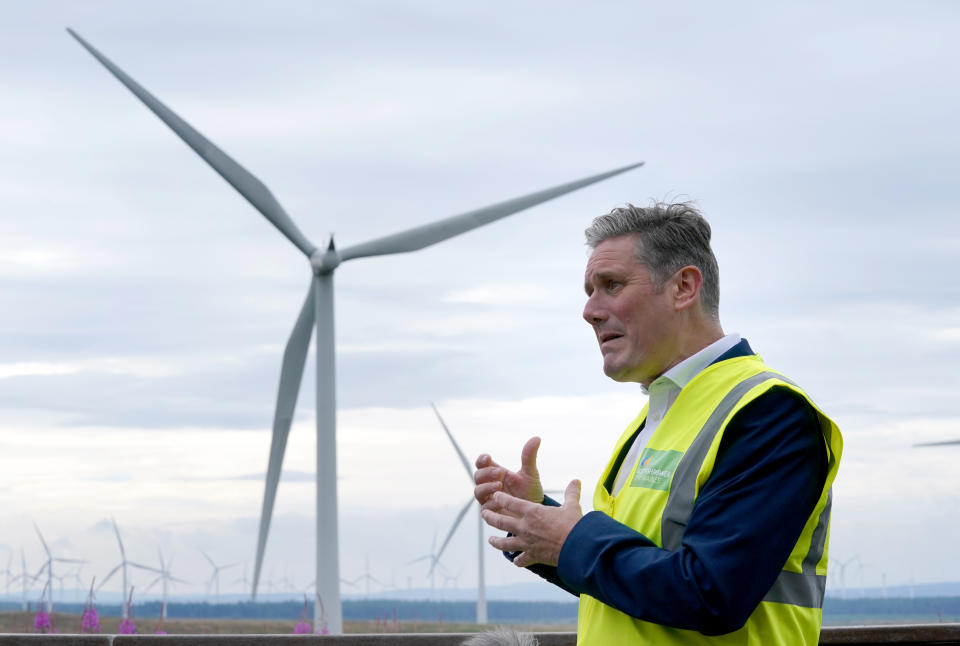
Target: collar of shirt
665, 388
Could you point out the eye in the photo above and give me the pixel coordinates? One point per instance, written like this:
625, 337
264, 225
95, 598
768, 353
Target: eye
613, 285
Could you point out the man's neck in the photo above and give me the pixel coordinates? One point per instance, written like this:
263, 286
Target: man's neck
693, 341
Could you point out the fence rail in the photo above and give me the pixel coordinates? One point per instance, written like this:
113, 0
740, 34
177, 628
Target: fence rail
919, 635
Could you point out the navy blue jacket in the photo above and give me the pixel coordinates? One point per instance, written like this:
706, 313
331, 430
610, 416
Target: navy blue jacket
770, 469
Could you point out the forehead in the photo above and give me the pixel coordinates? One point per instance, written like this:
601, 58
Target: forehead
614, 255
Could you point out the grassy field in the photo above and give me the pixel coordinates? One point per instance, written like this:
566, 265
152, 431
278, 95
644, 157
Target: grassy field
22, 622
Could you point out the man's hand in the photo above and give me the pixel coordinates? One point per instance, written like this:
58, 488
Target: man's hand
538, 530
524, 484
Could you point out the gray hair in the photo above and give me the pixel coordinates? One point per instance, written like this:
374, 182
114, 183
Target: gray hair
502, 637
669, 237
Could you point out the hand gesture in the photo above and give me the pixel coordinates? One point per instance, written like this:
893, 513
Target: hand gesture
537, 531
524, 484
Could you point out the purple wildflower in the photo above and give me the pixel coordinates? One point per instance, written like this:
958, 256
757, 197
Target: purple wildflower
302, 628
41, 622
90, 620
128, 627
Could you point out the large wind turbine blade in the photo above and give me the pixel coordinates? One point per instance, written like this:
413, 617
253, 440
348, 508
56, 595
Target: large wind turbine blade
456, 523
291, 373
945, 443
240, 178
428, 234
463, 458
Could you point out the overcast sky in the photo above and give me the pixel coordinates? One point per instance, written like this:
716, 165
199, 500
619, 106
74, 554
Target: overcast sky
144, 304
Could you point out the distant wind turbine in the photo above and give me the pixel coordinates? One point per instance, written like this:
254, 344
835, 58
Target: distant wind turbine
215, 577
318, 309
434, 558
367, 578
122, 567
48, 566
481, 581
166, 577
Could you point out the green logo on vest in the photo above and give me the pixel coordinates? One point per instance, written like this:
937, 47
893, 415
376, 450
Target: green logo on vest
655, 469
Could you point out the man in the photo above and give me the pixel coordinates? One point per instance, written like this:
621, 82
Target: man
711, 518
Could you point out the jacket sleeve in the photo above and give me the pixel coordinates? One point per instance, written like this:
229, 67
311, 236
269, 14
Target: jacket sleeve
548, 572
769, 473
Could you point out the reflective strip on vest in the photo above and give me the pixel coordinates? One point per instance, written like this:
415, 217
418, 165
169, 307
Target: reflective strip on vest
684, 486
804, 589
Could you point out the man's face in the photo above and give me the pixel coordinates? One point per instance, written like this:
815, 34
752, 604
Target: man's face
632, 320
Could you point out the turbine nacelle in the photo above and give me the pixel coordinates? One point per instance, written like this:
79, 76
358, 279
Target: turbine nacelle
325, 262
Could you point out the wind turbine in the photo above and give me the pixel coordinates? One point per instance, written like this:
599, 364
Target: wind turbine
843, 568
481, 584
122, 566
318, 309
48, 566
166, 576
215, 577
366, 577
434, 558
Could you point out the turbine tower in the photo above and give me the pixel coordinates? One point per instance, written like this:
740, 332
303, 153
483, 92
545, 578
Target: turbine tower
481, 585
318, 309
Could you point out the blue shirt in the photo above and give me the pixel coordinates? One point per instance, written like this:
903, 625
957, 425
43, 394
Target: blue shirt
770, 470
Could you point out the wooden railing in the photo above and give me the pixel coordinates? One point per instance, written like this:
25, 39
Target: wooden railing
861, 635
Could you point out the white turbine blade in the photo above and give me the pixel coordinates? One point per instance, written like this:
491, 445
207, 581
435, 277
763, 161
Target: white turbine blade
240, 178
152, 583
456, 523
62, 560
428, 234
463, 458
107, 578
45, 548
291, 373
209, 560
945, 443
123, 554
148, 568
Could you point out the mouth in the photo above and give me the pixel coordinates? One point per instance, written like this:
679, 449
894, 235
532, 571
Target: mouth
605, 337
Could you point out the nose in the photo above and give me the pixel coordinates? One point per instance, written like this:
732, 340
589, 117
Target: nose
593, 313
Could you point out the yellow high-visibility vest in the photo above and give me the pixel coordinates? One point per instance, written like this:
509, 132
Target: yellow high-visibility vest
680, 458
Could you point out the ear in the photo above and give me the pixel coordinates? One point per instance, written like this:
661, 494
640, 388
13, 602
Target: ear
686, 286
